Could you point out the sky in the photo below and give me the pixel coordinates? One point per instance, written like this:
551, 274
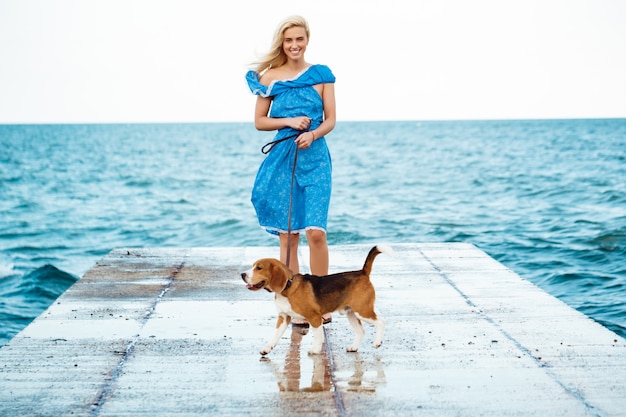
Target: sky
144, 61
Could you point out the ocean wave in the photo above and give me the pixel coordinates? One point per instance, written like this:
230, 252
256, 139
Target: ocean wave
6, 270
610, 241
24, 297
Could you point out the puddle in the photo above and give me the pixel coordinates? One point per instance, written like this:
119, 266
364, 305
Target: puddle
359, 374
301, 372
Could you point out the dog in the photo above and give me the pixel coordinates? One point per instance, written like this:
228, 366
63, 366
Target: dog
307, 297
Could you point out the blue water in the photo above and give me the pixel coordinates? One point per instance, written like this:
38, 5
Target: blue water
546, 198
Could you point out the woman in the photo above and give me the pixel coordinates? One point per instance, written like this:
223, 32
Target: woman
298, 100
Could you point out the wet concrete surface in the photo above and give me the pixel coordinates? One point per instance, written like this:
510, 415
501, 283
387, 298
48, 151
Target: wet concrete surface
174, 332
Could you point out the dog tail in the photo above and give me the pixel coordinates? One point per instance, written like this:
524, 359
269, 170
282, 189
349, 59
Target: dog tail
369, 261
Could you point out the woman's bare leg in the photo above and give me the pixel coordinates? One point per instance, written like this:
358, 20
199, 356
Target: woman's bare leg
294, 264
318, 248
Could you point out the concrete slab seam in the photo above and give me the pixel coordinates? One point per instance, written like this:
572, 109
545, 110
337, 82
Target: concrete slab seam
570, 390
117, 371
331, 363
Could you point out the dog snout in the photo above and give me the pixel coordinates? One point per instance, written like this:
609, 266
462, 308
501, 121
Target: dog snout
244, 275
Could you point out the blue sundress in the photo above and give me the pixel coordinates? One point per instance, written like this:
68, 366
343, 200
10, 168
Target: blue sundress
312, 185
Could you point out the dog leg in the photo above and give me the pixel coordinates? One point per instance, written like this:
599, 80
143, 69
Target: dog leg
380, 329
317, 380
281, 326
379, 324
318, 340
358, 331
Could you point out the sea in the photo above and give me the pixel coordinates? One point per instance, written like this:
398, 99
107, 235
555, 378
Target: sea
547, 198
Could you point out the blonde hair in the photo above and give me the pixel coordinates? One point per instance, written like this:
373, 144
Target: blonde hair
276, 56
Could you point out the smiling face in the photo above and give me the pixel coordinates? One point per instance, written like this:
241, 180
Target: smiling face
254, 283
269, 274
251, 283
295, 41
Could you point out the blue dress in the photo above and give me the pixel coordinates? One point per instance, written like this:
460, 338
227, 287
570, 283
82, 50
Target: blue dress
312, 185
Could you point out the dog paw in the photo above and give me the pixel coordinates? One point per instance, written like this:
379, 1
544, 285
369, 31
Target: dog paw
315, 351
352, 349
265, 351
377, 345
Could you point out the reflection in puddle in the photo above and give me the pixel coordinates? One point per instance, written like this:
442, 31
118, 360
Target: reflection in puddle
289, 378
360, 377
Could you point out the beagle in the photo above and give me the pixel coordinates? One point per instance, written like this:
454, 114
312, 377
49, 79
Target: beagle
308, 297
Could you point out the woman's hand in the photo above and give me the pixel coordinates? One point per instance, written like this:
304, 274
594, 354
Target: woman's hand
305, 140
300, 123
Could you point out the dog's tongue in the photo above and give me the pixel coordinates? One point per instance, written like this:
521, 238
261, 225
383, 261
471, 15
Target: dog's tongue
256, 287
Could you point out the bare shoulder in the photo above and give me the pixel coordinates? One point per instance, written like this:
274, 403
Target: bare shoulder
282, 73
271, 75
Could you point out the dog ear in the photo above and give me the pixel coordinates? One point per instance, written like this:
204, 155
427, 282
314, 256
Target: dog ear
278, 275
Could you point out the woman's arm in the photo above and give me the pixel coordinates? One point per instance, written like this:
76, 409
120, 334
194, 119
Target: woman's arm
263, 122
330, 118
330, 111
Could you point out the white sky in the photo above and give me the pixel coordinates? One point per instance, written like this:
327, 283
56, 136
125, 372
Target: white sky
64, 61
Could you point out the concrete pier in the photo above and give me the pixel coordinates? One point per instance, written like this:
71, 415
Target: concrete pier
174, 332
